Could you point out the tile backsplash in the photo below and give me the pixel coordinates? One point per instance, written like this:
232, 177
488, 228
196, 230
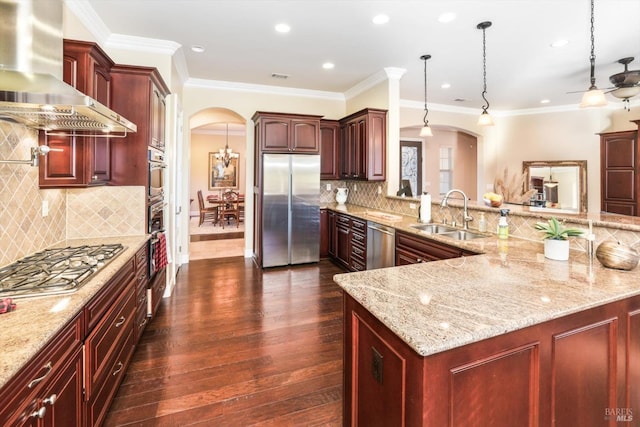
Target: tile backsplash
87, 212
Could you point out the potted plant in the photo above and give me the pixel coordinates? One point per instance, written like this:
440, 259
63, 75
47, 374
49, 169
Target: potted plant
556, 238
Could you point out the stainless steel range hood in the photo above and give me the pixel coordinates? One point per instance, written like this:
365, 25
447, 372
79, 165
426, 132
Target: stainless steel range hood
31, 89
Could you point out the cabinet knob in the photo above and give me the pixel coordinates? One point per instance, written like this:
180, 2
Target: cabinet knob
419, 260
40, 413
50, 400
94, 177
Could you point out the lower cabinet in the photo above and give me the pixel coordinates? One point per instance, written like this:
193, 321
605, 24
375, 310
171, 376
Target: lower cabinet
157, 287
579, 370
71, 384
348, 246
48, 390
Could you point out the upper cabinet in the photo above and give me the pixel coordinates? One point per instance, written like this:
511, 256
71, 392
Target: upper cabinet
287, 133
363, 137
139, 94
329, 149
620, 172
80, 161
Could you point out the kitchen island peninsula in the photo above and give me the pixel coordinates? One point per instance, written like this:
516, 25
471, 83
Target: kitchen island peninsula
503, 338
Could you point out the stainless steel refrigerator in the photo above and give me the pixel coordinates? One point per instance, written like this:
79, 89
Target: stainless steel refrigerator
290, 209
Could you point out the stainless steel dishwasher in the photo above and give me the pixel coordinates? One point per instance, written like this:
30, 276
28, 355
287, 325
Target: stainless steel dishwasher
381, 246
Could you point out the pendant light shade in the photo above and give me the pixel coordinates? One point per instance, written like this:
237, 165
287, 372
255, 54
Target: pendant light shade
426, 129
594, 97
485, 118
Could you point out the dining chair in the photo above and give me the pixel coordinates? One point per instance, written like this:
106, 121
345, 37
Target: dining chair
230, 209
206, 212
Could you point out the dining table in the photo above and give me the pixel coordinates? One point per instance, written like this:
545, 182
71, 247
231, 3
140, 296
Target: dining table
218, 201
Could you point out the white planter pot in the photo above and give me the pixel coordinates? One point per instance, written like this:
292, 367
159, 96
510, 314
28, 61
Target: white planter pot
556, 249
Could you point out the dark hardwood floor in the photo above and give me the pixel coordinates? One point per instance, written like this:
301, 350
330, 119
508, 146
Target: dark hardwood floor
239, 346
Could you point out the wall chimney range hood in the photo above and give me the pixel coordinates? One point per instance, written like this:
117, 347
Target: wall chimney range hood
31, 89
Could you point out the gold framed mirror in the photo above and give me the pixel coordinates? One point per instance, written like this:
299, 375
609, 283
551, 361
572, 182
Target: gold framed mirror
560, 184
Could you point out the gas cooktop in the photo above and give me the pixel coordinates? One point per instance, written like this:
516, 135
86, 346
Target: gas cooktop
55, 271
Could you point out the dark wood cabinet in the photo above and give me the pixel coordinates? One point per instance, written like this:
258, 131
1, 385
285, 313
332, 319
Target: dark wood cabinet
332, 233
349, 242
138, 94
48, 390
141, 291
620, 172
287, 133
110, 343
157, 287
329, 149
80, 161
363, 137
574, 370
413, 249
324, 233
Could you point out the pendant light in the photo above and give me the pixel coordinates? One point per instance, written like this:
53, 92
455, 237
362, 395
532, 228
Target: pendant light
226, 154
426, 129
594, 97
485, 118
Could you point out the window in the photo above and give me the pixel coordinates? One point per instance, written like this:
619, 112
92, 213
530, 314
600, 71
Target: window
446, 169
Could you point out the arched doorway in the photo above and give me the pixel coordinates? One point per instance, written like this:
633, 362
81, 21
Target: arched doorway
214, 132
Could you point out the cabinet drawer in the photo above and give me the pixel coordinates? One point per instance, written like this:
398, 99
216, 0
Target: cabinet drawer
426, 249
359, 253
343, 220
359, 239
359, 226
104, 300
104, 343
99, 402
141, 259
357, 265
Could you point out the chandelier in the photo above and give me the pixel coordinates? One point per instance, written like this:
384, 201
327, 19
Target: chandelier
426, 129
226, 154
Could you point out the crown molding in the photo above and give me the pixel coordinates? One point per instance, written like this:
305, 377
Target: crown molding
266, 89
143, 44
83, 10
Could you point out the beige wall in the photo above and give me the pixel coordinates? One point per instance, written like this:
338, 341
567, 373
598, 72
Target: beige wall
201, 146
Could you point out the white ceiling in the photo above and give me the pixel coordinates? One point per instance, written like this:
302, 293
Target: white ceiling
522, 69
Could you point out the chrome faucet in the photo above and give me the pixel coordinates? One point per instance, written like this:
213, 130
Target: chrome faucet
465, 214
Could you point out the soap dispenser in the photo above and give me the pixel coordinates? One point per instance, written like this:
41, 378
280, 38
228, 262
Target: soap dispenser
503, 225
482, 223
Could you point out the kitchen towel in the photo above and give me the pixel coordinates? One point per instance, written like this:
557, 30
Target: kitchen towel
425, 207
161, 252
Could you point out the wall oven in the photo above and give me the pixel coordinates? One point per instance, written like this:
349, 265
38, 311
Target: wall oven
157, 167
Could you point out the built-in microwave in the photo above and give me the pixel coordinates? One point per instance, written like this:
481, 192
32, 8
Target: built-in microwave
156, 174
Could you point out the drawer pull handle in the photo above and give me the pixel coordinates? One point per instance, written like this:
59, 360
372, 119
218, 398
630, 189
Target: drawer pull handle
144, 322
48, 367
121, 321
120, 366
419, 260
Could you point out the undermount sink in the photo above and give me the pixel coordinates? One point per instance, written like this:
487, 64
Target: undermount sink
446, 231
462, 235
433, 228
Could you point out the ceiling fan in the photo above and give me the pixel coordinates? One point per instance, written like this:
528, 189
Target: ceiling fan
626, 84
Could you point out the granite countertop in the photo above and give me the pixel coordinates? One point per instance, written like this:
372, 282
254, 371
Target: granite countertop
437, 306
36, 320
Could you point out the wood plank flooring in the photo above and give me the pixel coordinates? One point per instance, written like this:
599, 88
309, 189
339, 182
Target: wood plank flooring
239, 346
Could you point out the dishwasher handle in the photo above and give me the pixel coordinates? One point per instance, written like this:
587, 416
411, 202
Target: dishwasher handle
381, 228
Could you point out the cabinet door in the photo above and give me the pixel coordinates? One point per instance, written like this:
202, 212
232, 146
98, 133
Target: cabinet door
343, 247
63, 399
619, 173
158, 112
348, 151
99, 148
324, 233
329, 148
275, 135
359, 147
333, 234
304, 136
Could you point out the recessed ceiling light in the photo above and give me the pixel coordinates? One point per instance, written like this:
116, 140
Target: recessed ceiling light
283, 28
197, 48
445, 85
545, 101
380, 19
560, 43
446, 17
328, 65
